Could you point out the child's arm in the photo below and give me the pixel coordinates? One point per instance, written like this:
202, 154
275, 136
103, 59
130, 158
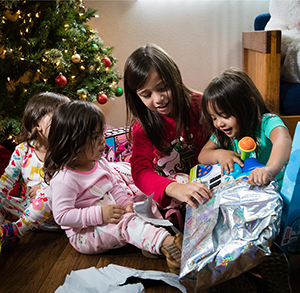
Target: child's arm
282, 145
64, 209
212, 154
150, 182
193, 193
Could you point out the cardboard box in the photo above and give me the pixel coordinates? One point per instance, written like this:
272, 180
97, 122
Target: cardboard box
117, 149
289, 237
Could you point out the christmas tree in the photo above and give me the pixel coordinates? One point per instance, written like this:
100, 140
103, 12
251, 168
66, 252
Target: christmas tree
47, 46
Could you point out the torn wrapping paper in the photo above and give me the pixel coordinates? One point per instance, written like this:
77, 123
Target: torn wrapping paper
144, 210
229, 234
110, 279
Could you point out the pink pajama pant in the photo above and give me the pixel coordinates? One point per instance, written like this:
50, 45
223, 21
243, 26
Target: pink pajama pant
37, 213
131, 229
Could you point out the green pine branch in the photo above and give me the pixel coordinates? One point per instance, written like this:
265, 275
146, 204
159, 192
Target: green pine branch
37, 42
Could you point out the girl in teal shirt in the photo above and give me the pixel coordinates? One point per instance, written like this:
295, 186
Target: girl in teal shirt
235, 108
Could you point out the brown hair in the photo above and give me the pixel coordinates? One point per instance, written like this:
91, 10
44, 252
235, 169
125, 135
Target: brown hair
137, 68
233, 93
72, 129
38, 106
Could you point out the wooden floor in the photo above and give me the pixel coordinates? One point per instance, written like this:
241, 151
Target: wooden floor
40, 261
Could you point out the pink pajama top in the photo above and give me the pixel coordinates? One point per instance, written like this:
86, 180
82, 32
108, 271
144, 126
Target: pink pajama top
77, 197
150, 169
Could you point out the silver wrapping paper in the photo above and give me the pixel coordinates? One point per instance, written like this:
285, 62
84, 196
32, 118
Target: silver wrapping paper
229, 234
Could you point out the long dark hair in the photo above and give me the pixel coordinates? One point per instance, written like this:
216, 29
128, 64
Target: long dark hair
72, 128
233, 93
137, 68
38, 106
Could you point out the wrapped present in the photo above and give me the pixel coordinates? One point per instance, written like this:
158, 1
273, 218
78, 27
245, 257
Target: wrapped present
289, 238
229, 234
117, 149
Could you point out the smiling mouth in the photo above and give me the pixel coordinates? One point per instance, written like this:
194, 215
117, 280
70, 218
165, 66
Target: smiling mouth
163, 107
227, 130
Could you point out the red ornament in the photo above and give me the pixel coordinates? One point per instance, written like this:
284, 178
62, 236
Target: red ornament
81, 9
102, 99
61, 80
106, 61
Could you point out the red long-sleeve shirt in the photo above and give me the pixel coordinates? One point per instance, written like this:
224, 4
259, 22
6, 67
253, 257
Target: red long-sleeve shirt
150, 169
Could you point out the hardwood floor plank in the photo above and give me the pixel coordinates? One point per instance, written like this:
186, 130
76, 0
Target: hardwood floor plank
27, 263
40, 262
69, 260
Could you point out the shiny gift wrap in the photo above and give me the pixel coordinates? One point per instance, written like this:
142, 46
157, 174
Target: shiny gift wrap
229, 234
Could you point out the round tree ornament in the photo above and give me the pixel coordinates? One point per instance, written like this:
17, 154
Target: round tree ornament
76, 58
118, 92
83, 9
61, 80
106, 61
102, 99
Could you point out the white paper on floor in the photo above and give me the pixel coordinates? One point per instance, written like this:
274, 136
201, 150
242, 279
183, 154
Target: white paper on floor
110, 279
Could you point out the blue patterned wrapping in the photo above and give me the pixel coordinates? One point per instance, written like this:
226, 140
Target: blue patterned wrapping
229, 234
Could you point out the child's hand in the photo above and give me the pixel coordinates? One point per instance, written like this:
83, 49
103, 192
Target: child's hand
193, 193
33, 190
112, 213
226, 159
129, 209
261, 176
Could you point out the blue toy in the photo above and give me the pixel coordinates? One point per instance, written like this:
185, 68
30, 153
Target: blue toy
211, 174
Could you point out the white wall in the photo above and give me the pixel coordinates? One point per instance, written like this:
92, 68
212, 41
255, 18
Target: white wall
204, 37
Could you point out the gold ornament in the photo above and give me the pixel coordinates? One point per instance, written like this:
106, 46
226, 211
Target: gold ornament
76, 58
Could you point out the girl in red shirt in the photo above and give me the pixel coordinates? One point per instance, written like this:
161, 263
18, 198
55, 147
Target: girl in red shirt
166, 132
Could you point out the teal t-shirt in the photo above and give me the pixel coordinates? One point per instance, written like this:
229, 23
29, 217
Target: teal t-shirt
264, 147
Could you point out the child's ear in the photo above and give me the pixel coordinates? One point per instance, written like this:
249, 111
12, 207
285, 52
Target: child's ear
38, 126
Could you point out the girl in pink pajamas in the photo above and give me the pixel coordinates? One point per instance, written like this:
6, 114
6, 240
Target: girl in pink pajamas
86, 200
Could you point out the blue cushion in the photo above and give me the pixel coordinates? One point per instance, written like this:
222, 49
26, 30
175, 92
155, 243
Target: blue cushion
290, 99
289, 92
261, 21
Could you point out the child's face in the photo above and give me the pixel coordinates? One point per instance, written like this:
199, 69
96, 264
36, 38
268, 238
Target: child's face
221, 121
95, 151
44, 125
155, 95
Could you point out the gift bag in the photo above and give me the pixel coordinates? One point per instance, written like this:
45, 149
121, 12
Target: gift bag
289, 238
229, 234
